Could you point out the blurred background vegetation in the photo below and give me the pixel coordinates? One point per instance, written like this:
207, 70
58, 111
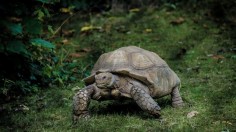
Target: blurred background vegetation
38, 49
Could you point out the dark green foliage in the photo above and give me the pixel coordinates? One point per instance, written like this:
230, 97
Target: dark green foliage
41, 42
27, 50
32, 26
24, 53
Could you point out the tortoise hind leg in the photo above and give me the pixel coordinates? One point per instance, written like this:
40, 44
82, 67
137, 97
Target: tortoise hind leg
176, 98
145, 101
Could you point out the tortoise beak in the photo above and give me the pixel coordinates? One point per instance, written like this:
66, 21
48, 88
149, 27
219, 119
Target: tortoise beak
100, 85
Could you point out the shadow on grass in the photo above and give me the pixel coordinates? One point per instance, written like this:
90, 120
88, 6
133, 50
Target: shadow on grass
5, 120
124, 107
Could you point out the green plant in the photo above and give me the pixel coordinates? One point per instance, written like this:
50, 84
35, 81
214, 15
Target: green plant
24, 51
27, 46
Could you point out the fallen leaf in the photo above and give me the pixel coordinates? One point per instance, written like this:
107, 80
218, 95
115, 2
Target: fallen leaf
65, 10
68, 33
65, 41
134, 10
89, 28
86, 28
227, 122
192, 114
148, 30
75, 55
216, 57
86, 50
15, 19
178, 21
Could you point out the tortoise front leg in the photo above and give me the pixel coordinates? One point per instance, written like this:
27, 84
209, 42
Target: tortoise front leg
145, 101
81, 102
176, 98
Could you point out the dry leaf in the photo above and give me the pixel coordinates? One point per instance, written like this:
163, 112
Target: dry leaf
86, 28
148, 30
89, 28
86, 50
216, 57
178, 21
134, 10
227, 122
75, 55
65, 10
15, 19
65, 41
192, 114
68, 32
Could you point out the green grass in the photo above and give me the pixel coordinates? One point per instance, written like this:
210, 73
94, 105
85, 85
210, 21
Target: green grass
208, 81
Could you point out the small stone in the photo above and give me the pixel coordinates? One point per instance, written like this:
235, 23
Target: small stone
192, 114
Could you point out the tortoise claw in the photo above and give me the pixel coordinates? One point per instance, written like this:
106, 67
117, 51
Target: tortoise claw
178, 105
157, 114
85, 116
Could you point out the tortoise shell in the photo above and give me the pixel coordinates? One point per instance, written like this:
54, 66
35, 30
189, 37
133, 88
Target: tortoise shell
137, 63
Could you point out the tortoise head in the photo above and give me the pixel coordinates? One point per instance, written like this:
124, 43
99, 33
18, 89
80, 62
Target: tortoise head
104, 80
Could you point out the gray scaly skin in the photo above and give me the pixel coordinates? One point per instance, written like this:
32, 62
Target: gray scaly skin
110, 86
81, 101
145, 101
176, 98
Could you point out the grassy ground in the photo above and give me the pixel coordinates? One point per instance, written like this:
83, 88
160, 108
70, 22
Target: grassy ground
200, 51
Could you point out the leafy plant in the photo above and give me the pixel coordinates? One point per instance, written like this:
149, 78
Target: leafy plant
24, 51
28, 49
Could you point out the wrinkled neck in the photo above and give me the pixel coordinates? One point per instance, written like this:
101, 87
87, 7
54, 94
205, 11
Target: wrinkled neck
120, 82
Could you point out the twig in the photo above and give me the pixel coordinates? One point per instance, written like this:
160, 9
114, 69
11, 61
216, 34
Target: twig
58, 29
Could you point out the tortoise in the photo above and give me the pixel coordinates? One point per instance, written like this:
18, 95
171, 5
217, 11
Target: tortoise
128, 72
